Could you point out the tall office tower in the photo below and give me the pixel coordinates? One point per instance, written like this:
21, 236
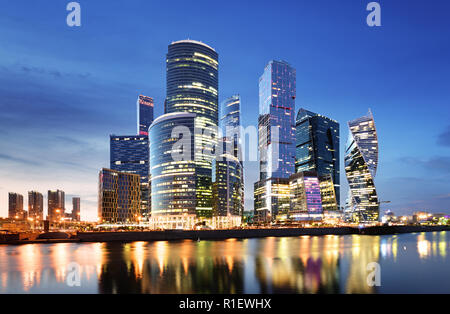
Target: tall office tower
361, 161
56, 205
118, 197
144, 113
76, 202
130, 154
173, 179
35, 205
227, 183
15, 204
192, 86
306, 201
317, 149
276, 131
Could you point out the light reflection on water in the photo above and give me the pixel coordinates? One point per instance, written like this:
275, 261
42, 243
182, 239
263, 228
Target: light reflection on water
410, 263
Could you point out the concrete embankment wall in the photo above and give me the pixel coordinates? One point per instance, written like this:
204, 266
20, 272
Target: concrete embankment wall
169, 235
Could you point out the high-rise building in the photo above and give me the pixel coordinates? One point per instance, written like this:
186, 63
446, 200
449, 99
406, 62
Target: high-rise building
227, 183
35, 205
361, 161
276, 131
144, 114
118, 198
317, 149
130, 154
192, 86
230, 122
15, 206
306, 200
173, 168
56, 205
76, 202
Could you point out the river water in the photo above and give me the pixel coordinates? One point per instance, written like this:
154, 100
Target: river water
408, 263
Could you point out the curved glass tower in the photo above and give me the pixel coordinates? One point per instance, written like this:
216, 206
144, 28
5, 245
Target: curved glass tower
192, 86
173, 177
361, 161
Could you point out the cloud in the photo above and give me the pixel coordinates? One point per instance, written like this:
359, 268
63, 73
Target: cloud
436, 163
444, 138
34, 70
19, 160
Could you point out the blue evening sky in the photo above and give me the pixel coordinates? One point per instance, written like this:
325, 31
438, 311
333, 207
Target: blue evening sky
64, 90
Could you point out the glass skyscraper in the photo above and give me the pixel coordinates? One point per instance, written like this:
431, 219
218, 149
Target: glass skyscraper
361, 162
173, 168
144, 113
118, 197
276, 131
76, 202
317, 149
35, 205
306, 200
130, 154
192, 86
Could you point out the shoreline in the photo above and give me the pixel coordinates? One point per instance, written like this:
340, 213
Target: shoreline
176, 235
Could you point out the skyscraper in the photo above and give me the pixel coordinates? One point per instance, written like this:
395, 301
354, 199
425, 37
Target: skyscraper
144, 114
306, 200
192, 86
173, 168
15, 206
230, 122
361, 161
317, 149
76, 209
276, 131
56, 205
118, 197
35, 205
130, 154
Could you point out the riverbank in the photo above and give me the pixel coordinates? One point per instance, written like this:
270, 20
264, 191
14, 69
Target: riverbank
176, 235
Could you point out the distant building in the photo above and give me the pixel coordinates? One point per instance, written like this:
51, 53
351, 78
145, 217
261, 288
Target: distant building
76, 202
130, 154
15, 206
118, 197
35, 205
276, 132
306, 201
317, 149
56, 205
361, 161
144, 113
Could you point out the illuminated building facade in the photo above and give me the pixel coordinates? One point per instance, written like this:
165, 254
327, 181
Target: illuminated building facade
130, 154
361, 161
56, 205
306, 200
35, 205
118, 198
192, 86
172, 165
276, 144
230, 122
317, 149
76, 202
15, 206
144, 113
227, 183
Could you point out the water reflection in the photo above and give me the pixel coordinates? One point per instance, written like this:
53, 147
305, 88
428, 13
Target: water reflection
329, 264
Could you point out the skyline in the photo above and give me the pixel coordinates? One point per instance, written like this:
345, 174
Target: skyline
59, 106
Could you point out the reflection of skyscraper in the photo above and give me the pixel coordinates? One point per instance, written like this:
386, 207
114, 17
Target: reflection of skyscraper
192, 86
276, 127
56, 205
15, 206
35, 205
317, 149
118, 197
145, 114
361, 161
130, 154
